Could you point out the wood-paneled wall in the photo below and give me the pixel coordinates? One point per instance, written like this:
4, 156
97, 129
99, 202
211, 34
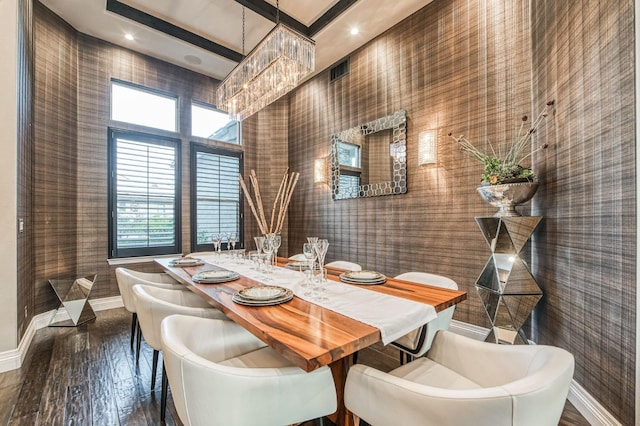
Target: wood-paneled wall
466, 67
55, 194
583, 56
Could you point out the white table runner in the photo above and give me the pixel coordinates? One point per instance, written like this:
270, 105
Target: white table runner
393, 316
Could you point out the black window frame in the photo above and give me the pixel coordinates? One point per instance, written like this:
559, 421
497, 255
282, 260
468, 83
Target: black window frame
151, 91
196, 147
114, 253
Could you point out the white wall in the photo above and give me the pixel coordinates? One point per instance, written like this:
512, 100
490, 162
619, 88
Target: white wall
8, 174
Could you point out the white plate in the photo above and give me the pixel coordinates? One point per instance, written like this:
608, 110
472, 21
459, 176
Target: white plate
242, 301
363, 275
263, 292
186, 262
215, 277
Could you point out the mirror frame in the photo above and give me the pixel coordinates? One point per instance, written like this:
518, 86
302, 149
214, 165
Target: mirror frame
398, 185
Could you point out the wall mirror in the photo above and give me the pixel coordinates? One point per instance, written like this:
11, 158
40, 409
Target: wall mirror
370, 160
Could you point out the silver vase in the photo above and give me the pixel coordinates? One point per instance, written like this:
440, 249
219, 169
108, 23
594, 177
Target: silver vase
507, 196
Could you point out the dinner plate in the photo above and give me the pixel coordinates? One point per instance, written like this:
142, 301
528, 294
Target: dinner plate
183, 262
297, 265
285, 297
263, 293
363, 277
214, 277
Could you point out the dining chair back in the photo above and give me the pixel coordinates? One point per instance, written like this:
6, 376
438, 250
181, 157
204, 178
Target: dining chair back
127, 278
153, 304
463, 381
343, 264
417, 342
221, 374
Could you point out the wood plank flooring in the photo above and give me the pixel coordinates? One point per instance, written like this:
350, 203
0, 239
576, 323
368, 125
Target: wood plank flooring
87, 376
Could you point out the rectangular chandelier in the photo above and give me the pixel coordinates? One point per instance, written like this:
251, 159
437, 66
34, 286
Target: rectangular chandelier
273, 68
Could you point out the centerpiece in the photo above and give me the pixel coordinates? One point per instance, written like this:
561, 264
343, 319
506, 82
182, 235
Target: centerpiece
505, 181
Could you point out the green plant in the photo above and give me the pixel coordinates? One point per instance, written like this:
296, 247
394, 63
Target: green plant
502, 169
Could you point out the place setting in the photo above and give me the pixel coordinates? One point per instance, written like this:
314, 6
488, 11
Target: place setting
363, 277
184, 262
262, 295
215, 277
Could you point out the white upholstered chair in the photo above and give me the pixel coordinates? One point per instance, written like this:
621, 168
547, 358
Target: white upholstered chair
417, 342
126, 279
220, 374
343, 264
153, 304
298, 257
463, 381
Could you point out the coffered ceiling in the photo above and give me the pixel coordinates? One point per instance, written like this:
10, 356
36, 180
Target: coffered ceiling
206, 35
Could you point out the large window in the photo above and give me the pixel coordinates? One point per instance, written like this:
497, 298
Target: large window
144, 194
144, 107
216, 202
211, 123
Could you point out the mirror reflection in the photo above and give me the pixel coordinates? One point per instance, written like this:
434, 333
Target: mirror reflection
370, 160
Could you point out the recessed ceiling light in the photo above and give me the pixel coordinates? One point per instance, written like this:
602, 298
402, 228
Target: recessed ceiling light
354, 31
128, 37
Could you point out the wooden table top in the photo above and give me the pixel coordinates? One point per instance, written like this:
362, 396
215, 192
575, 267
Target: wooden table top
306, 334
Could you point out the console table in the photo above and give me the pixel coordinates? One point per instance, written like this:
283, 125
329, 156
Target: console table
508, 290
73, 294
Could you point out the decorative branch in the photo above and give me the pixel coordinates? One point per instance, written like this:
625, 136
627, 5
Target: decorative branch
280, 204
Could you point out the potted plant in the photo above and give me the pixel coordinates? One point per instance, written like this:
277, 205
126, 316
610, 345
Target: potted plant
505, 182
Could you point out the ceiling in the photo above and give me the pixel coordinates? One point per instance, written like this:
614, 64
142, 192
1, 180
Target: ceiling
206, 35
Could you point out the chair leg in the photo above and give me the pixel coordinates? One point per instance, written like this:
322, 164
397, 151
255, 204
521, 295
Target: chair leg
355, 357
163, 397
139, 336
134, 323
153, 370
401, 358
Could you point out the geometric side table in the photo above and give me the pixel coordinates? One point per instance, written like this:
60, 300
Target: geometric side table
508, 290
73, 294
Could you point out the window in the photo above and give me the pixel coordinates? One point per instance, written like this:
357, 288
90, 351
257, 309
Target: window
211, 123
216, 203
145, 107
348, 154
144, 194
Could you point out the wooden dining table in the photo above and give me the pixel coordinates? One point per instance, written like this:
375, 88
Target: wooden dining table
306, 334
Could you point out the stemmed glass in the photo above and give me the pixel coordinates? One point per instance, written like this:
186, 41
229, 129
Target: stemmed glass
320, 248
232, 237
268, 247
215, 239
259, 244
310, 254
277, 241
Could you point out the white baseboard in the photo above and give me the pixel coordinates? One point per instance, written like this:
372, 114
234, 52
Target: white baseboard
586, 404
12, 359
591, 409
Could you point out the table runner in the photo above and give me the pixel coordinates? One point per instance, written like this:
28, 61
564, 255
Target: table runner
393, 316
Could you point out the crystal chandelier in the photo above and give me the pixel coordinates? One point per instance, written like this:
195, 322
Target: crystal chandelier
273, 68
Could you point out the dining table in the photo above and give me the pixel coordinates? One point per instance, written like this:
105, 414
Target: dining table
306, 333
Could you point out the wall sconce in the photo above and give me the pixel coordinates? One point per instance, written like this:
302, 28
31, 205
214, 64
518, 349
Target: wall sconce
428, 147
320, 170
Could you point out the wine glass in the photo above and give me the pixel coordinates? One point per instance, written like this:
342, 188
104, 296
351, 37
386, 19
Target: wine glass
268, 248
277, 241
231, 244
215, 239
310, 254
259, 243
321, 247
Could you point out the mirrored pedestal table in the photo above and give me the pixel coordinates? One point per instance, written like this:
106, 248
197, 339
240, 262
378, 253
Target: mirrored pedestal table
73, 294
508, 290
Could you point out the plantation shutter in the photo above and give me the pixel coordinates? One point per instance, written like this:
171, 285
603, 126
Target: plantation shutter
146, 197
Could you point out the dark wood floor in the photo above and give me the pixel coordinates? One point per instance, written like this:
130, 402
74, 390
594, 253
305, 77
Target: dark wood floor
87, 376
